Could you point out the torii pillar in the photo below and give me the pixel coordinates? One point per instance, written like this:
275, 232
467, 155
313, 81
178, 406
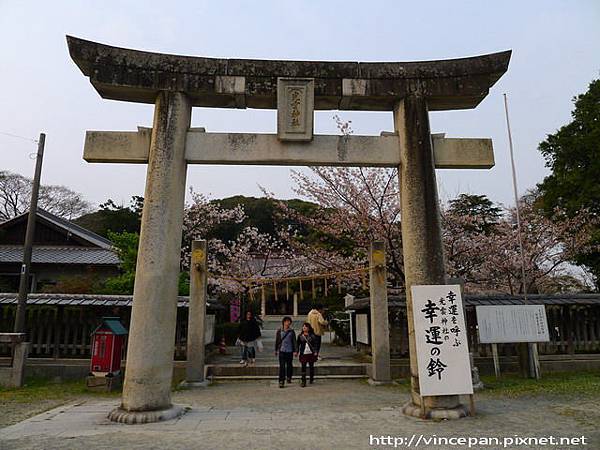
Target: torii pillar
422, 245
149, 368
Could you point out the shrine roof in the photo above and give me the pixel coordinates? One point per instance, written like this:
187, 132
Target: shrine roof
91, 300
137, 76
471, 300
13, 254
113, 324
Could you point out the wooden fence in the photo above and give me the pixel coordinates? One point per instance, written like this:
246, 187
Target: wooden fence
65, 332
573, 329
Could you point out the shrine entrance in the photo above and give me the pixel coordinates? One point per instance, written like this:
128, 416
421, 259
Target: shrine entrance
340, 361
174, 84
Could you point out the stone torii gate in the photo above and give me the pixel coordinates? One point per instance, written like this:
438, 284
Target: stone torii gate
174, 84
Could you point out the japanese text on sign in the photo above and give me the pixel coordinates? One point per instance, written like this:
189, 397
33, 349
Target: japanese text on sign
441, 338
512, 323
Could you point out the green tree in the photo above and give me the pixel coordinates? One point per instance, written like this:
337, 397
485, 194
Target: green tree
113, 217
126, 245
261, 213
469, 223
479, 207
573, 156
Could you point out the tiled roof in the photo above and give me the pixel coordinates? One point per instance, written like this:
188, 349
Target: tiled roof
399, 301
60, 255
69, 227
88, 235
87, 300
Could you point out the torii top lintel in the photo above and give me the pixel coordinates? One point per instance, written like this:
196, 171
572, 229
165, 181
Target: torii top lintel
137, 76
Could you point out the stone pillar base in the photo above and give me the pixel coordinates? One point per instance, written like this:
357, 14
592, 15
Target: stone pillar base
103, 384
194, 384
133, 417
14, 376
412, 410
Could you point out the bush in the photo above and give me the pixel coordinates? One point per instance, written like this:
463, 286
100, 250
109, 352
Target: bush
229, 330
75, 284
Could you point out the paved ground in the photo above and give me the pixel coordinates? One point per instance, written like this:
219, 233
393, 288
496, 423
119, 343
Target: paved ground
331, 414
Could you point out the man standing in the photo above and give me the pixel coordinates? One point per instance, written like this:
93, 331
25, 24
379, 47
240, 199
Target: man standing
286, 348
318, 323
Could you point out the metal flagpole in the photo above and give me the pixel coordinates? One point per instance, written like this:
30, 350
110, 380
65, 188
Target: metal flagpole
534, 368
515, 191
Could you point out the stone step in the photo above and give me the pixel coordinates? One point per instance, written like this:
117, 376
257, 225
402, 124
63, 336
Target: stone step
272, 371
276, 376
279, 318
269, 336
274, 325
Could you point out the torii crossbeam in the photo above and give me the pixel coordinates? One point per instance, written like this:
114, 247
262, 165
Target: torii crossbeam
174, 84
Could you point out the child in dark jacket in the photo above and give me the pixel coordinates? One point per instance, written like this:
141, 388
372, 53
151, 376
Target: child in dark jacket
308, 348
286, 348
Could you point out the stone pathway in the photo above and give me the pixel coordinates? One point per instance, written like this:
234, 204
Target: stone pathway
331, 414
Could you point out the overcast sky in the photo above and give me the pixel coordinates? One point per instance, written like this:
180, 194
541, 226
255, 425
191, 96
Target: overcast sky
556, 53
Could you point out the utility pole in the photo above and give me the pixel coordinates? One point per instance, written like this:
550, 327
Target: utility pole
29, 234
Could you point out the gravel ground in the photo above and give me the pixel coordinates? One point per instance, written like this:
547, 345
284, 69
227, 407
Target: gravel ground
13, 412
331, 414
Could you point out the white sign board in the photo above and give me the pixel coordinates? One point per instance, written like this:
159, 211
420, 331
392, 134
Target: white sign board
209, 329
512, 323
362, 328
441, 338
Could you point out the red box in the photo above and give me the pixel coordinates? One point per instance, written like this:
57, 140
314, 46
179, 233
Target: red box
107, 347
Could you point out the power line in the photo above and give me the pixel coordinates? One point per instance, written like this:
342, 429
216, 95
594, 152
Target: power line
19, 137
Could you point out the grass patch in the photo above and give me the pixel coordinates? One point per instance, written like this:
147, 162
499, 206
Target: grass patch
39, 389
39, 395
559, 383
402, 384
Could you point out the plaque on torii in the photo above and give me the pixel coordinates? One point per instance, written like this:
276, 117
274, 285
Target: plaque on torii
174, 84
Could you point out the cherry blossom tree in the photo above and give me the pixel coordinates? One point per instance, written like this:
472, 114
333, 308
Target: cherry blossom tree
359, 205
356, 206
250, 254
487, 256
